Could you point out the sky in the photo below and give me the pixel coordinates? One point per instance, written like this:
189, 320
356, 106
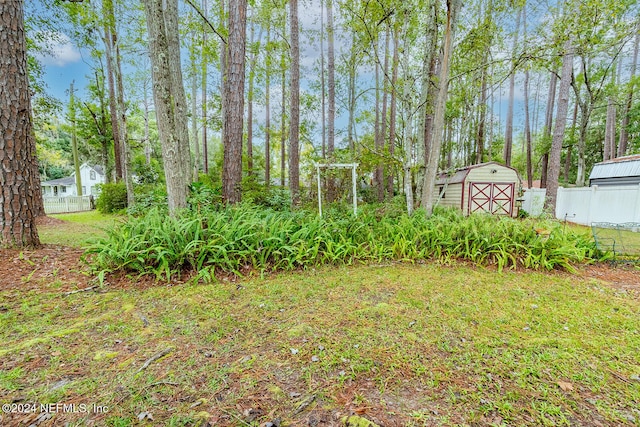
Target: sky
63, 64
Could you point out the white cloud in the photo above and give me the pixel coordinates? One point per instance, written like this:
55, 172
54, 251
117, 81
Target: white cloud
57, 49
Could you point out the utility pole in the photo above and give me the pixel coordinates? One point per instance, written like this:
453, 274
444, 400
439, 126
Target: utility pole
74, 140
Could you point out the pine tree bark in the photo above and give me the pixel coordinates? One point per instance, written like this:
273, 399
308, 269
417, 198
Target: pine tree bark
234, 102
17, 141
294, 127
558, 132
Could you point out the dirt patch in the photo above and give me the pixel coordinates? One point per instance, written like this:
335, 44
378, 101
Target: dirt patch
63, 268
625, 277
48, 266
49, 221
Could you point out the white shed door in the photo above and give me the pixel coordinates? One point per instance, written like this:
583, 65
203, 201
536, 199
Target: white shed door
491, 197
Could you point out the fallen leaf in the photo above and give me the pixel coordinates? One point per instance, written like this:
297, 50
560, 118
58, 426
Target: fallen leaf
565, 386
145, 415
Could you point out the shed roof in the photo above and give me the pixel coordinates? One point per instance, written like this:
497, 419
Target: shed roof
617, 168
459, 175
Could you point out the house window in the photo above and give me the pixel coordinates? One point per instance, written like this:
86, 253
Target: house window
84, 190
92, 176
63, 189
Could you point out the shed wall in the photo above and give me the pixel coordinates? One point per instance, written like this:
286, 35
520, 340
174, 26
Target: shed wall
452, 197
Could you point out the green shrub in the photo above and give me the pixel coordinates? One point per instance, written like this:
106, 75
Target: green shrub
112, 198
148, 197
233, 239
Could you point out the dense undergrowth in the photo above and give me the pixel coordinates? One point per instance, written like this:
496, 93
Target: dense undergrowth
246, 237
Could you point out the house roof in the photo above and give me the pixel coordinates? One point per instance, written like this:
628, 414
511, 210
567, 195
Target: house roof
459, 175
71, 179
617, 168
66, 181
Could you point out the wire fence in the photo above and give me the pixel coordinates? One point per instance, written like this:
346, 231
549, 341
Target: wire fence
622, 240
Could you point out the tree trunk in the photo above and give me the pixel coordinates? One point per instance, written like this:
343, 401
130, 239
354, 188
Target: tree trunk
17, 142
377, 173
294, 127
113, 107
234, 102
481, 119
194, 112
323, 89
74, 140
147, 137
548, 123
508, 136
558, 132
431, 169
205, 147
428, 95
331, 100
392, 114
122, 124
527, 125
624, 133
267, 110
527, 131
283, 115
250, 96
568, 157
352, 94
383, 118
167, 86
408, 129
610, 131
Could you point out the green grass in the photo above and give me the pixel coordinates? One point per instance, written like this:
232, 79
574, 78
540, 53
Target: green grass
422, 344
78, 230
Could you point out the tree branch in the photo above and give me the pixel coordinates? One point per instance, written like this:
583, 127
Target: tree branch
204, 18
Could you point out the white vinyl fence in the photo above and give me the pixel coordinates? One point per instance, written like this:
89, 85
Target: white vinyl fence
616, 204
54, 205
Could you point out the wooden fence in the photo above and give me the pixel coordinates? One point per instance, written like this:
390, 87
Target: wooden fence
54, 205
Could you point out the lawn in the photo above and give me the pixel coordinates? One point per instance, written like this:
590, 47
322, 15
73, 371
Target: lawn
74, 229
422, 344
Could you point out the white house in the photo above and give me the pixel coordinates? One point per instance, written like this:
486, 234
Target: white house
90, 177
